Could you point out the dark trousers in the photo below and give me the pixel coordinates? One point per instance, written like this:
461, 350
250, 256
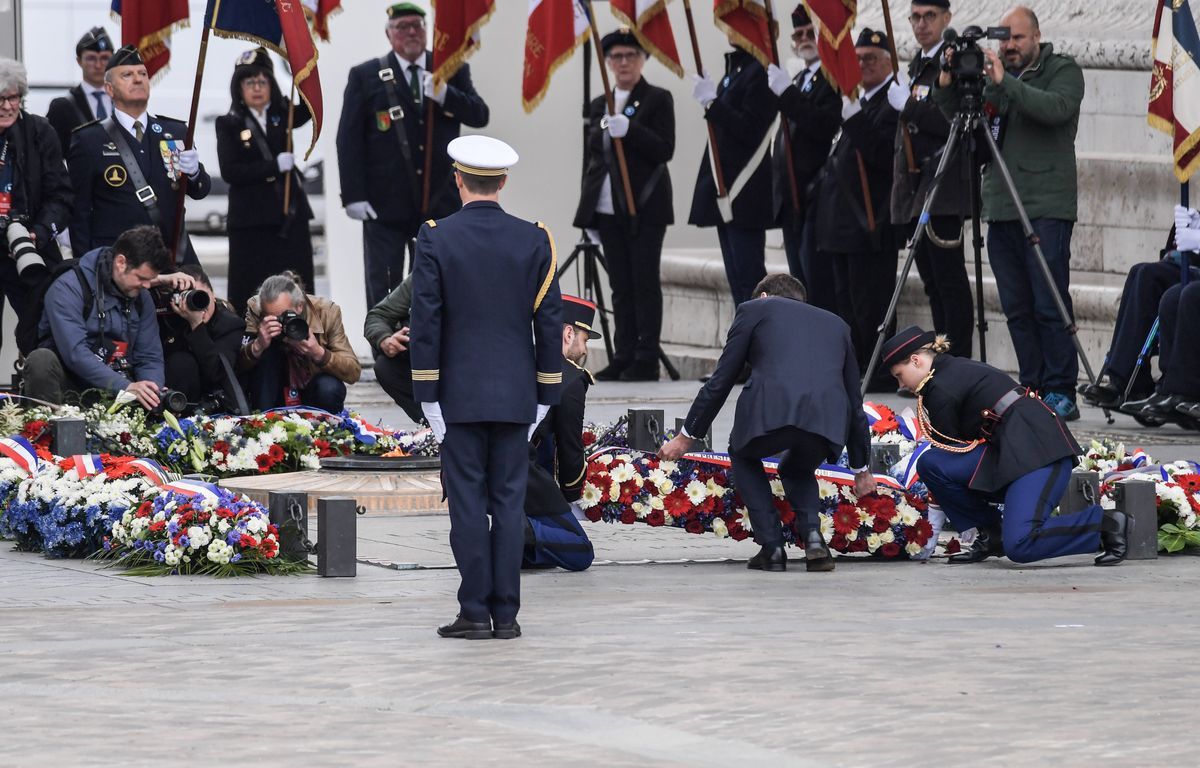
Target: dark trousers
1029, 531
46, 378
944, 275
633, 260
183, 374
800, 453
1045, 353
863, 284
1144, 288
484, 469
1179, 357
800, 244
744, 253
554, 537
394, 374
384, 245
265, 388
11, 288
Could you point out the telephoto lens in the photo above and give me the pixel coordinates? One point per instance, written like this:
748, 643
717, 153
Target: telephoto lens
294, 326
193, 299
30, 264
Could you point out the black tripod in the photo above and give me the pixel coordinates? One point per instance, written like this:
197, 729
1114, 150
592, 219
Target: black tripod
587, 251
966, 127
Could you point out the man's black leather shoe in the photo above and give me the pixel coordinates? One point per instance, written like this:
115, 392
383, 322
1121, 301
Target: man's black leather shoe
611, 372
1164, 407
1137, 407
507, 631
640, 372
987, 544
1189, 409
817, 557
465, 628
1101, 395
769, 559
1114, 537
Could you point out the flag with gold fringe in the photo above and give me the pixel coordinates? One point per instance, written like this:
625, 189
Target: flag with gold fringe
148, 24
835, 44
456, 25
1175, 83
554, 30
650, 23
745, 21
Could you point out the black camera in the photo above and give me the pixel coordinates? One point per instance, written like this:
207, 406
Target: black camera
194, 299
966, 57
294, 326
30, 264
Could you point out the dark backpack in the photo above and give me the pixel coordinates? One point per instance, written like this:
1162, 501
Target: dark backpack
28, 338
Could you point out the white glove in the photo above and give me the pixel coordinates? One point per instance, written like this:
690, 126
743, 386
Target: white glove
618, 126
703, 90
778, 79
898, 93
361, 211
438, 95
286, 161
1187, 239
850, 108
189, 162
542, 410
1186, 218
433, 414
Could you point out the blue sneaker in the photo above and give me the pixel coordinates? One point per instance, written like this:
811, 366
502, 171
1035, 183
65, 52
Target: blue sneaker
1063, 405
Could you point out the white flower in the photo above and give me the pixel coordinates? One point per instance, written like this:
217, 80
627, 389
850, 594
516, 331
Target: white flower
826, 489
874, 542
622, 473
590, 496
827, 527
604, 459
624, 457
887, 537
639, 509
665, 487
656, 502
913, 549
715, 489
719, 529
657, 476
668, 466
614, 490
696, 492
745, 513
908, 515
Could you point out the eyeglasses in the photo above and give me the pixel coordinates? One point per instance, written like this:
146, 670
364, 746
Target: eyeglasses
869, 58
928, 17
14, 99
804, 34
256, 82
409, 26
623, 57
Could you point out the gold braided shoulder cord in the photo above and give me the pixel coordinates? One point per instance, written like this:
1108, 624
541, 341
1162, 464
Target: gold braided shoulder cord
952, 444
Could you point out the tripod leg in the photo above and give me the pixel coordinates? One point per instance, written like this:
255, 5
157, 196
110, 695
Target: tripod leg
591, 278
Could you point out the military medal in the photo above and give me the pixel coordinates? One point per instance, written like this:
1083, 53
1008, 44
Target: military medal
629, 111
383, 120
170, 149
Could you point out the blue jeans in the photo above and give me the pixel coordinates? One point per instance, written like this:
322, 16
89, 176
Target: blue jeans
1045, 353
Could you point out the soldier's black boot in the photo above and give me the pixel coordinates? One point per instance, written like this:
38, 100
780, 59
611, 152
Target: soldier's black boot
769, 559
988, 543
1114, 537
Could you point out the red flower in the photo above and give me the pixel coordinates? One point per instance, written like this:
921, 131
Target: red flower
919, 532
629, 490
589, 437
125, 438
247, 540
221, 446
628, 516
593, 514
269, 548
272, 529
786, 515
276, 453
858, 545
880, 525
891, 549
36, 430
144, 509
838, 542
264, 462
1189, 482
676, 503
694, 526
917, 502
158, 525
655, 518
845, 519
953, 547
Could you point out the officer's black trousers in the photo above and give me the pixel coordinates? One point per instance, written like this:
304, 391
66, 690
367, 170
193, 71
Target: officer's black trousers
864, 285
633, 259
485, 467
944, 274
800, 453
383, 257
1180, 315
744, 253
1144, 288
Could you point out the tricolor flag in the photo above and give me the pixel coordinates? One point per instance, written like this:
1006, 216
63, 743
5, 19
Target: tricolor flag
148, 24
318, 13
651, 25
746, 22
836, 42
86, 465
456, 25
555, 29
1175, 83
908, 425
282, 27
21, 452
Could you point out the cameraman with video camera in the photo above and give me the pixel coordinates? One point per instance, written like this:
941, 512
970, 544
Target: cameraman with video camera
35, 190
198, 331
1031, 105
295, 348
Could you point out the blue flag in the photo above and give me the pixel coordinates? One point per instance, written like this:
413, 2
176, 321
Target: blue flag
253, 20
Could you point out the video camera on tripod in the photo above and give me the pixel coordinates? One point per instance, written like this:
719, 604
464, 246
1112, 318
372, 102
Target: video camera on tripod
966, 60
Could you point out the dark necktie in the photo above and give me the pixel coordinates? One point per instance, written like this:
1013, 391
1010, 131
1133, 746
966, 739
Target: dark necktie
101, 112
414, 82
138, 133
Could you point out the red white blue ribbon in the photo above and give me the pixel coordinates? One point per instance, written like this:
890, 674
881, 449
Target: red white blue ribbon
21, 452
86, 465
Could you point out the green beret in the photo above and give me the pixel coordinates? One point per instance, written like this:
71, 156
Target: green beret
405, 9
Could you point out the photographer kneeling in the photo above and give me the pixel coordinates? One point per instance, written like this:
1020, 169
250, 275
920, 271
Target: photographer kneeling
295, 348
196, 333
98, 327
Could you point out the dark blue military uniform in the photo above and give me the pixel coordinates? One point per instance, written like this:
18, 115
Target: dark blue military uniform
106, 201
481, 280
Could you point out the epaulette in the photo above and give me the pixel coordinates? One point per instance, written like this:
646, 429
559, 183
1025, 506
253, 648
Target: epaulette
172, 119
552, 273
85, 125
432, 224
591, 379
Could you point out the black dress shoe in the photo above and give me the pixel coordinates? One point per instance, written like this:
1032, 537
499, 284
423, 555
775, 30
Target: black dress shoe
641, 372
1114, 537
769, 559
1164, 407
506, 631
817, 557
465, 628
611, 372
1101, 395
1138, 407
987, 544
1189, 409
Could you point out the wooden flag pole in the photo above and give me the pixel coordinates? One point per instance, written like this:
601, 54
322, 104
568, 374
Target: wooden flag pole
618, 145
793, 186
287, 177
719, 175
177, 228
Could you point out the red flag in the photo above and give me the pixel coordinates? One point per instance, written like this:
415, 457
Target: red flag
1175, 84
301, 54
836, 43
148, 24
318, 12
746, 22
456, 25
555, 30
649, 21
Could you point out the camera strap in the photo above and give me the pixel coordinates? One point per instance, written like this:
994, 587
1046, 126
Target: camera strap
396, 114
144, 192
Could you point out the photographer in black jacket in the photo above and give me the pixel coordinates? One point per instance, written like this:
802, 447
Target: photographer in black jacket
198, 332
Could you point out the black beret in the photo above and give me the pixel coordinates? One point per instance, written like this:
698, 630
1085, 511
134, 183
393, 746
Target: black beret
620, 36
95, 39
127, 56
904, 343
255, 57
405, 9
580, 313
943, 4
869, 38
800, 17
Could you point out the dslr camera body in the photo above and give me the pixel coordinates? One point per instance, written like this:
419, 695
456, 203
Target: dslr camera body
966, 61
295, 327
31, 267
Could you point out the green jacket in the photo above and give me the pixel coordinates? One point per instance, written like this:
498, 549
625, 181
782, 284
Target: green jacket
1041, 106
389, 315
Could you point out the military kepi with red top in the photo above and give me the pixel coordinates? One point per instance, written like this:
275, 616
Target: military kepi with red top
580, 313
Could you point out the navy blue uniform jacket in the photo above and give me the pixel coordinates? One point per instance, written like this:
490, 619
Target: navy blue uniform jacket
106, 201
803, 374
486, 317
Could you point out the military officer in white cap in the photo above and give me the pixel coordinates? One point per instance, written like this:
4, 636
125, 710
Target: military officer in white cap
481, 275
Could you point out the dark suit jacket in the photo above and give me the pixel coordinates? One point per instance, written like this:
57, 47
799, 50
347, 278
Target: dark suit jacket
370, 161
41, 185
841, 226
813, 111
482, 279
1030, 435
255, 183
562, 433
649, 146
220, 337
803, 374
66, 113
105, 207
741, 116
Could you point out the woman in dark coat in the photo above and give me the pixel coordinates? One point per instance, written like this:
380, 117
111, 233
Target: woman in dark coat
992, 441
253, 153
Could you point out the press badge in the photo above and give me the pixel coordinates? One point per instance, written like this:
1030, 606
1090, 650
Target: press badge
170, 149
